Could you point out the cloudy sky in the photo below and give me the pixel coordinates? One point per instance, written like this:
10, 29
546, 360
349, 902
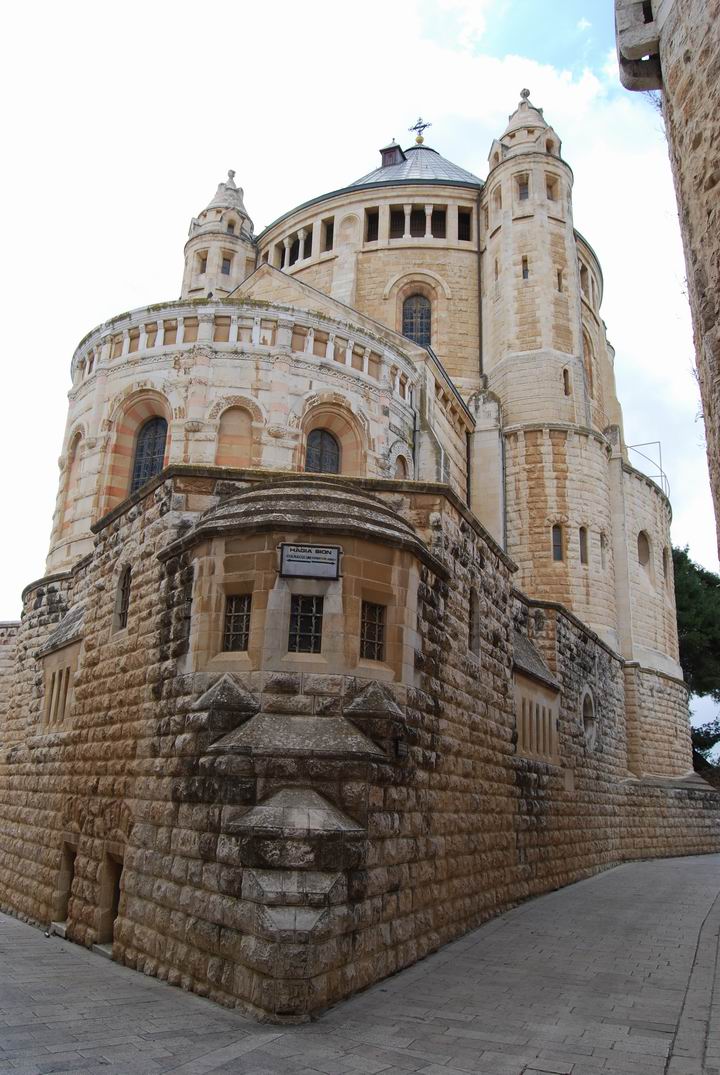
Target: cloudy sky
120, 121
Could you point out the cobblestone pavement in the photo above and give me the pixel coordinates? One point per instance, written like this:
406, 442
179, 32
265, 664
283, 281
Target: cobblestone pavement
614, 975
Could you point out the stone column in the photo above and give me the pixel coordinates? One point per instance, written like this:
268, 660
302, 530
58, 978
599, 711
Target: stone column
428, 221
407, 209
301, 239
384, 224
286, 252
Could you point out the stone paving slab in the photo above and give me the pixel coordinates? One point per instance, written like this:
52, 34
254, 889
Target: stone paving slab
617, 975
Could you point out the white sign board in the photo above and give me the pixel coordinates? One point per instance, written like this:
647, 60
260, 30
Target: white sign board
310, 561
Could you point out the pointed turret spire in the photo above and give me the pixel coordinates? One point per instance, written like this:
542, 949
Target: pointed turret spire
220, 251
527, 130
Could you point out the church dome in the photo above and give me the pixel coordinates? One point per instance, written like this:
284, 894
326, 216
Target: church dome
420, 164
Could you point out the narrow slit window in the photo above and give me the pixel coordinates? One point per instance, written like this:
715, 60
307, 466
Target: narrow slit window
202, 264
523, 188
525, 269
226, 265
551, 188
557, 543
236, 634
231, 227
567, 387
583, 536
328, 234
372, 631
123, 606
306, 616
559, 280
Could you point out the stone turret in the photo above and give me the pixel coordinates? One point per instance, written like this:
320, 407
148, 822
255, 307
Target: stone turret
220, 251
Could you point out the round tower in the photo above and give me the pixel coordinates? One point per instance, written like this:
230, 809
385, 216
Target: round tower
220, 251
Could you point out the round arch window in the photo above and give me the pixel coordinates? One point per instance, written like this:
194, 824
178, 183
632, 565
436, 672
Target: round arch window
149, 452
417, 319
322, 455
588, 719
643, 548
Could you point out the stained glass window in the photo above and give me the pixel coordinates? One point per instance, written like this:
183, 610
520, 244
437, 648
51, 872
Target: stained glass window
149, 452
416, 319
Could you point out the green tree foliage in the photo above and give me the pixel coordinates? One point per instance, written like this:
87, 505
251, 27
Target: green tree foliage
697, 595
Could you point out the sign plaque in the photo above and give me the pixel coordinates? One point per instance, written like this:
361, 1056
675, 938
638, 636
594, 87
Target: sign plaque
310, 561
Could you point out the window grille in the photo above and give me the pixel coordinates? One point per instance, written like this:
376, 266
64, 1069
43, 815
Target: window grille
123, 607
237, 622
417, 223
417, 314
372, 631
397, 223
306, 615
149, 452
372, 217
322, 455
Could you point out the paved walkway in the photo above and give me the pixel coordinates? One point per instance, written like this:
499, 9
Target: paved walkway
614, 975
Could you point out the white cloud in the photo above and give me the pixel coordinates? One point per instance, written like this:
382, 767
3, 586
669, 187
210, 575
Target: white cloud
117, 136
584, 25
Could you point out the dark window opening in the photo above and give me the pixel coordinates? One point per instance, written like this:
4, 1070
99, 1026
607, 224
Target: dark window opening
566, 382
397, 223
123, 607
231, 227
322, 455
294, 251
226, 263
372, 225
149, 452
417, 314
328, 234
465, 225
306, 615
557, 543
583, 535
523, 188
559, 280
438, 223
372, 631
237, 622
417, 223
308, 242
203, 265
647, 11
525, 269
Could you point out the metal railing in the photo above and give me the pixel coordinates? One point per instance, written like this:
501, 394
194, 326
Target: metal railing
650, 466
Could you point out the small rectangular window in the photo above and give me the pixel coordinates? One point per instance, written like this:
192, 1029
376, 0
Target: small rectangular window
525, 269
231, 227
372, 225
397, 223
557, 543
236, 632
551, 188
438, 223
465, 225
226, 263
328, 233
372, 631
306, 615
583, 544
523, 188
202, 264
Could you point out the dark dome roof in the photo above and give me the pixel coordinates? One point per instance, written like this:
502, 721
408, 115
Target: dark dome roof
421, 163
314, 505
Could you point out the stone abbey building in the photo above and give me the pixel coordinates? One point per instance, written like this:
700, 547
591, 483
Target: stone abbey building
358, 626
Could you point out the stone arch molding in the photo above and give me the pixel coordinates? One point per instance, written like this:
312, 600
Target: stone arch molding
417, 276
216, 411
397, 449
332, 411
77, 429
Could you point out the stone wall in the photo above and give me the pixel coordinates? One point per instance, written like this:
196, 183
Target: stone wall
690, 61
8, 635
289, 833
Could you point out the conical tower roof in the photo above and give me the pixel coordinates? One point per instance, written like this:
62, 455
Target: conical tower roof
229, 196
526, 115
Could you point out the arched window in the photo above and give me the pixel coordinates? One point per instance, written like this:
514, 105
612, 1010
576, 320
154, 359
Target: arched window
149, 452
416, 321
643, 548
322, 455
401, 470
588, 719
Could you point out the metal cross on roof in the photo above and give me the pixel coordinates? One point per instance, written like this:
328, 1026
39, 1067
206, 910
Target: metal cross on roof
420, 126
